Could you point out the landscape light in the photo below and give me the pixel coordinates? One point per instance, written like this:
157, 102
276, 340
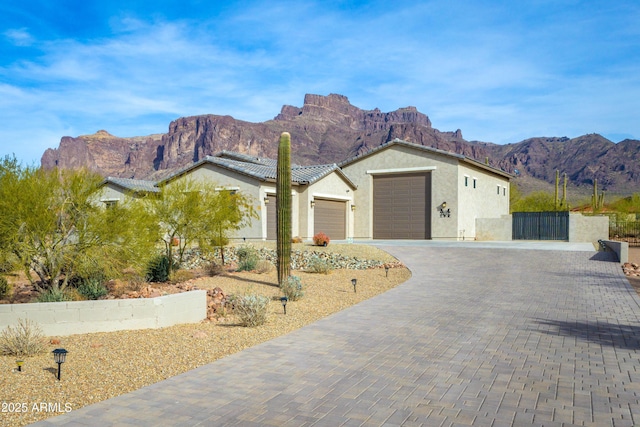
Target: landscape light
284, 300
59, 356
386, 270
19, 363
353, 282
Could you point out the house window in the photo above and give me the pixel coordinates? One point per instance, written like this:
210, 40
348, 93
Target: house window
466, 181
474, 183
498, 190
110, 203
504, 191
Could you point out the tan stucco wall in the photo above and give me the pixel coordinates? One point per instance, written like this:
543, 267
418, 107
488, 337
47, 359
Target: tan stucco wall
228, 179
332, 187
110, 192
500, 229
443, 182
484, 201
588, 228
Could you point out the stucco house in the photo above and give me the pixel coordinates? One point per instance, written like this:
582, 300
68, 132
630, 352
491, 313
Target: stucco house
410, 191
322, 195
398, 190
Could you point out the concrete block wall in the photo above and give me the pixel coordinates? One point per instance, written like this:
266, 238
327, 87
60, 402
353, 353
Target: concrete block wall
499, 229
80, 317
588, 228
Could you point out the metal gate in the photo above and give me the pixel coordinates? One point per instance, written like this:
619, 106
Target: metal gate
625, 231
540, 225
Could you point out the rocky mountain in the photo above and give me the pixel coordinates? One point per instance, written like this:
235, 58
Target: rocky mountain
328, 129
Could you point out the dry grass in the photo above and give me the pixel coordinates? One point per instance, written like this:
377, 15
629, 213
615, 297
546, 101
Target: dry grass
103, 365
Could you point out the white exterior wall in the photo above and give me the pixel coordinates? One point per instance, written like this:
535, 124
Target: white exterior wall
81, 317
483, 201
444, 186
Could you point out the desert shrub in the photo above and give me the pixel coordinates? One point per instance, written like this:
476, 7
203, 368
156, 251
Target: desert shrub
214, 269
25, 339
179, 276
247, 258
54, 295
319, 265
6, 289
292, 288
158, 269
264, 266
8, 263
321, 239
251, 309
92, 288
296, 239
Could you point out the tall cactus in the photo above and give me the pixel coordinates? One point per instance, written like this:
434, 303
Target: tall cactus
283, 207
564, 193
594, 197
555, 197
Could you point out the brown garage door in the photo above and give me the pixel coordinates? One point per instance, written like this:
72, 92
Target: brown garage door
402, 206
329, 217
271, 217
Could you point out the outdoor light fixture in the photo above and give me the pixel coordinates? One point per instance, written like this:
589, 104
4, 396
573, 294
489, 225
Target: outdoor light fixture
313, 204
444, 213
266, 200
59, 356
284, 300
353, 208
386, 270
19, 363
354, 282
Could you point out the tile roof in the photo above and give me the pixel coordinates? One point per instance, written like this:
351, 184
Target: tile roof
398, 141
136, 185
262, 169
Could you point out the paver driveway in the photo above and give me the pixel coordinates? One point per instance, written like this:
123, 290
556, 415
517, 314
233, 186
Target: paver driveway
476, 337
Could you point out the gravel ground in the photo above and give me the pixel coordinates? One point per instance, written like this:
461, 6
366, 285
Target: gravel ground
103, 365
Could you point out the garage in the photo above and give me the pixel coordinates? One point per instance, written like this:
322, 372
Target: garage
402, 206
330, 218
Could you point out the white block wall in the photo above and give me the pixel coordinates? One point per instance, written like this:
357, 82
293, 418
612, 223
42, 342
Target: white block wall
80, 317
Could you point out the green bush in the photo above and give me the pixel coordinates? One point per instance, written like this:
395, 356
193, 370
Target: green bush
26, 339
158, 270
6, 289
251, 309
319, 265
247, 258
92, 288
292, 288
54, 295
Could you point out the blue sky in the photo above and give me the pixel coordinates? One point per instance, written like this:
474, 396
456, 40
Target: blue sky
501, 71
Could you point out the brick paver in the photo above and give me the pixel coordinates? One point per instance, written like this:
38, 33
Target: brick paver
476, 337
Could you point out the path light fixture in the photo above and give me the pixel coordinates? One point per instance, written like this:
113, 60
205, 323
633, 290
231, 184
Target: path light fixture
354, 282
19, 363
284, 300
386, 270
59, 356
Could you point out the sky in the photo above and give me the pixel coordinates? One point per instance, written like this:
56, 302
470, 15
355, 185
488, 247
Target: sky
501, 71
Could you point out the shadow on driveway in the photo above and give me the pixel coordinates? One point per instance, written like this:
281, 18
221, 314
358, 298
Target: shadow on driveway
607, 334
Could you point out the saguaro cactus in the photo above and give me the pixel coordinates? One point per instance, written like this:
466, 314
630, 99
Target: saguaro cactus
564, 193
555, 197
283, 207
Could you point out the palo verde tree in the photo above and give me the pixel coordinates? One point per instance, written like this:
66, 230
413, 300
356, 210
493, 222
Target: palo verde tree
52, 224
283, 208
191, 212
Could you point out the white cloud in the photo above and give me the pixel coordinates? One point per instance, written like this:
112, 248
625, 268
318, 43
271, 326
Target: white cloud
19, 36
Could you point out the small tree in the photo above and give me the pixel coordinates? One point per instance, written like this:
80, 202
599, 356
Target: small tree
197, 212
53, 226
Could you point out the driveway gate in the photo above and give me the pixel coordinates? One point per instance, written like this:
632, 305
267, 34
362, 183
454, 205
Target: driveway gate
541, 225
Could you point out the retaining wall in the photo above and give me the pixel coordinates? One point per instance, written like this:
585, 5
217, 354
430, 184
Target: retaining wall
79, 317
581, 228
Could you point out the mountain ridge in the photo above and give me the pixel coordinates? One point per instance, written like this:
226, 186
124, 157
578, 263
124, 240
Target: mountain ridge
329, 129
